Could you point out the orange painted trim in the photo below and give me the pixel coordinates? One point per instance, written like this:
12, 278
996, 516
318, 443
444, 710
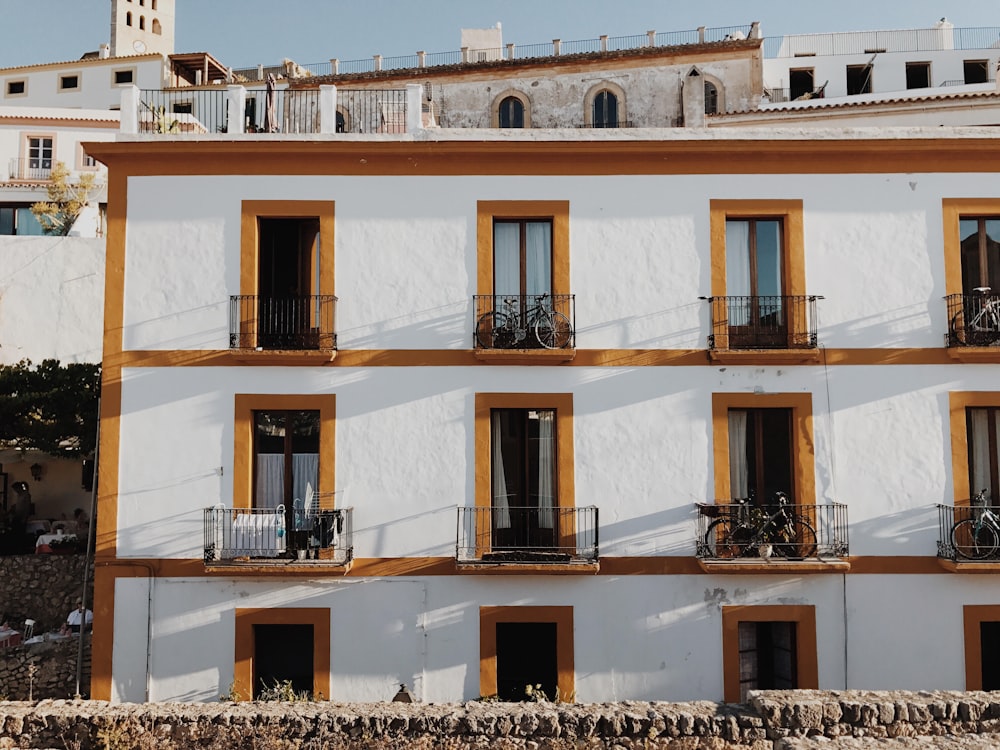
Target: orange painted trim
319, 618
807, 661
246, 404
958, 402
803, 442
557, 211
489, 617
973, 615
66, 122
650, 566
528, 569
565, 466
765, 357
103, 640
899, 565
772, 567
531, 357
953, 209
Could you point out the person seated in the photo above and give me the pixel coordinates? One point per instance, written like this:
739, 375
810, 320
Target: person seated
81, 522
79, 618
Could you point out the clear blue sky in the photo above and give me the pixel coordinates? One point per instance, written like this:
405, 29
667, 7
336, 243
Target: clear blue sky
248, 32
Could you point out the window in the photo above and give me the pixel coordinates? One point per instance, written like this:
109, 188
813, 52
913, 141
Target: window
605, 110
918, 75
274, 645
511, 113
341, 122
142, 23
768, 647
521, 646
157, 29
524, 472
800, 83
984, 451
121, 77
18, 220
523, 247
711, 98
763, 443
976, 71
153, 5
980, 252
17, 88
69, 82
84, 161
39, 162
128, 17
859, 79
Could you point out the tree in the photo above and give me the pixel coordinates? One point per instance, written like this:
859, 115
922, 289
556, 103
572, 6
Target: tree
66, 200
50, 407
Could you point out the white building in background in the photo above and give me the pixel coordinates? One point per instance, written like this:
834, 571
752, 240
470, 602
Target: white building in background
452, 409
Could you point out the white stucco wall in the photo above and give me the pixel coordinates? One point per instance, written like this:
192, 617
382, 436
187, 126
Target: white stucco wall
97, 89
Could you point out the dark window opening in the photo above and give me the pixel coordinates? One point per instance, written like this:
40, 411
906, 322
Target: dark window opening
989, 646
341, 123
800, 82
711, 99
767, 657
15, 87
182, 108
605, 110
526, 655
859, 79
760, 453
918, 75
286, 458
755, 283
282, 653
128, 17
288, 264
511, 113
157, 29
123, 76
976, 71
250, 114
142, 23
69, 82
984, 451
980, 249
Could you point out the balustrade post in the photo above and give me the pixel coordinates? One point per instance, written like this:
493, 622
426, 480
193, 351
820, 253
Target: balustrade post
129, 114
236, 97
327, 109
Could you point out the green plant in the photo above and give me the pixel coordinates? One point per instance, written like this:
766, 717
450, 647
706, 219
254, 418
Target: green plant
535, 693
233, 694
66, 200
489, 698
283, 690
162, 123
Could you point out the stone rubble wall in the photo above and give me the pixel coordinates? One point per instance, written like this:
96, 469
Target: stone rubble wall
773, 720
43, 588
54, 674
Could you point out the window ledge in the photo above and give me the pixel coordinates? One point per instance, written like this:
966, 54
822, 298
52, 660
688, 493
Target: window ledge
981, 354
279, 567
524, 356
478, 568
952, 566
283, 357
814, 565
764, 356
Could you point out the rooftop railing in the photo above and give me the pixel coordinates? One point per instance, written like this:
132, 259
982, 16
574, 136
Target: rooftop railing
875, 42
531, 535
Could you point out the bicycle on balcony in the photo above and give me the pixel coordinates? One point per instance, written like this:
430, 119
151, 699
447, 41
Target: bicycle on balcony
978, 536
977, 322
517, 326
749, 531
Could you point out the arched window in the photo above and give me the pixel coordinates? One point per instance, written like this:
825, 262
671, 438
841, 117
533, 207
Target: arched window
128, 18
511, 113
156, 26
341, 123
154, 4
142, 2
605, 112
711, 98
142, 22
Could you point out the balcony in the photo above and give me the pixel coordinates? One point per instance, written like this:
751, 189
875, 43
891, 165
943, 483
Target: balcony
541, 323
969, 536
271, 536
30, 169
973, 319
738, 535
305, 323
762, 323
551, 538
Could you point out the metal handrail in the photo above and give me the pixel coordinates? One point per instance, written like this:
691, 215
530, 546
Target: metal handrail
973, 319
301, 322
517, 310
520, 534
234, 534
828, 520
763, 322
28, 168
949, 515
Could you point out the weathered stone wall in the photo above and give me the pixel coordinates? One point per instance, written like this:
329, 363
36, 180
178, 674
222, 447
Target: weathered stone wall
54, 665
771, 721
42, 587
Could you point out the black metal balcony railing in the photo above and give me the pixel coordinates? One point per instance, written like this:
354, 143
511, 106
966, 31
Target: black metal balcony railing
973, 319
245, 534
771, 322
524, 321
729, 530
299, 323
29, 169
607, 124
969, 532
527, 535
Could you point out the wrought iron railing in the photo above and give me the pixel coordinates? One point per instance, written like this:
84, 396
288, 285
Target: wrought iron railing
771, 322
306, 322
728, 530
291, 111
167, 112
524, 321
527, 535
872, 42
29, 168
245, 534
969, 532
615, 124
973, 319
371, 111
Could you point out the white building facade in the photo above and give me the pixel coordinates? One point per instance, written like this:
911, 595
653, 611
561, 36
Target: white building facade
414, 490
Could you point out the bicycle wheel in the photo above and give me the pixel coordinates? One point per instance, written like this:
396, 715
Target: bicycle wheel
553, 330
974, 541
726, 539
796, 540
494, 331
958, 333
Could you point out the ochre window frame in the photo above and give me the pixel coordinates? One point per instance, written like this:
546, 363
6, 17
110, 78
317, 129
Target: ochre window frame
806, 656
953, 209
803, 441
556, 211
958, 404
246, 404
562, 616
973, 615
246, 619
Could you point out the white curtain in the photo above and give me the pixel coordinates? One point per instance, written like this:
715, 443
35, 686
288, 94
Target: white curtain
305, 476
506, 259
979, 451
501, 507
546, 468
738, 269
738, 454
539, 257
270, 491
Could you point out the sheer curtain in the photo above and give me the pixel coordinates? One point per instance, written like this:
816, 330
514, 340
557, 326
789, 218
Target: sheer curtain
506, 259
738, 269
546, 468
979, 451
539, 257
738, 469
270, 489
498, 478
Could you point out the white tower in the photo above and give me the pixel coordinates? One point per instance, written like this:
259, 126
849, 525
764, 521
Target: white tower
139, 27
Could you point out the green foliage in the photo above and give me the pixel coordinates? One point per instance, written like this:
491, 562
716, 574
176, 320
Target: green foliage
161, 123
284, 691
50, 407
66, 200
535, 693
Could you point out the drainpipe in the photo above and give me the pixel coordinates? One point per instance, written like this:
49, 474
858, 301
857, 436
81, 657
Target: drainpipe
90, 551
